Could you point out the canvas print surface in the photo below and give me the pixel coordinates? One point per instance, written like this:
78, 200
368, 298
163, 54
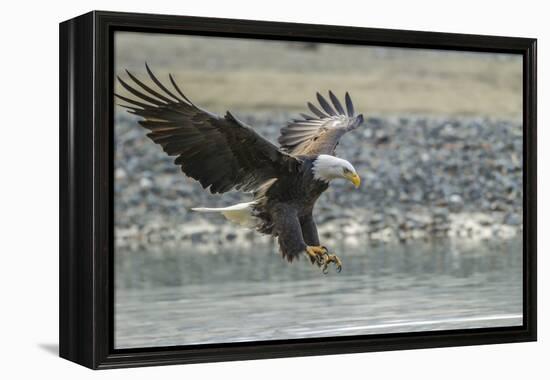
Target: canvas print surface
269, 190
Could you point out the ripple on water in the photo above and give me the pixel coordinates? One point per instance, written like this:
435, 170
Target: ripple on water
171, 297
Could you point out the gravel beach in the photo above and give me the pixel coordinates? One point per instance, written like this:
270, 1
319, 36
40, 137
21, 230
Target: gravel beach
423, 178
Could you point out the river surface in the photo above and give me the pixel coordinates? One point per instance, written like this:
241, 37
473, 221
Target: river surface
166, 297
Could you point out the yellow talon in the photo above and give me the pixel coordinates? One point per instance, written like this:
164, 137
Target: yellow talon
319, 255
316, 254
332, 259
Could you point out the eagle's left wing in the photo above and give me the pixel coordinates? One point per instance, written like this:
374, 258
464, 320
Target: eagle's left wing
320, 134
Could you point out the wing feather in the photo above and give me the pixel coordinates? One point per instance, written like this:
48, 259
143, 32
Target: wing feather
221, 153
349, 105
320, 135
316, 110
160, 84
306, 116
139, 94
336, 103
325, 105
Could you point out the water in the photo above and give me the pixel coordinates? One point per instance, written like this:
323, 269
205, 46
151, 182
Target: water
181, 296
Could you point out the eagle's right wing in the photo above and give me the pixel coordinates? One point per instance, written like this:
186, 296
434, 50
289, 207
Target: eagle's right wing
321, 133
222, 153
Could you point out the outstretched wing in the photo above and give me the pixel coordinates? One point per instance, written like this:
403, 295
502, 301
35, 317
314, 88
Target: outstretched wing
220, 152
320, 134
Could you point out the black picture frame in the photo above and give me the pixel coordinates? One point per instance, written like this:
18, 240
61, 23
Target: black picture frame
86, 189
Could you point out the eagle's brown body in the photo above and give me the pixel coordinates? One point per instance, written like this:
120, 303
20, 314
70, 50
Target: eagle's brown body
286, 210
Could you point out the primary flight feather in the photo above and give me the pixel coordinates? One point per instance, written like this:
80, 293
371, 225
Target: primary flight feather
223, 154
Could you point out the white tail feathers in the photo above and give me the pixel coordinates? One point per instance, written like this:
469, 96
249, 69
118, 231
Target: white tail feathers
241, 213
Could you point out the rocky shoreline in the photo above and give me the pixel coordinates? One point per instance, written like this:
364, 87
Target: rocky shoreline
423, 178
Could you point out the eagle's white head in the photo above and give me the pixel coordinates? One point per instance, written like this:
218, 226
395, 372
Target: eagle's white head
327, 168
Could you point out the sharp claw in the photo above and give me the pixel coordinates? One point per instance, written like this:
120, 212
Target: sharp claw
323, 258
334, 259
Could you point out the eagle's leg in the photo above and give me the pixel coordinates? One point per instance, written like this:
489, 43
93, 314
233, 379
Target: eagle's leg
317, 254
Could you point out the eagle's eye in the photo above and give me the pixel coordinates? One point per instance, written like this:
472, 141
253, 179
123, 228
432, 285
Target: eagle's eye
347, 171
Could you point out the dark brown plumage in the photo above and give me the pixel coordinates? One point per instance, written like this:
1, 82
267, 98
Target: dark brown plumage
222, 153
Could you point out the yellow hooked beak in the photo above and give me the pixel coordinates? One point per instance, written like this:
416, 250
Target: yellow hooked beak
354, 178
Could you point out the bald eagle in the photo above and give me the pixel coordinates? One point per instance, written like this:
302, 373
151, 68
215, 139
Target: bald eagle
223, 154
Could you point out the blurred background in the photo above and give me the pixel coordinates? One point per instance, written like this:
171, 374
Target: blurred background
431, 240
